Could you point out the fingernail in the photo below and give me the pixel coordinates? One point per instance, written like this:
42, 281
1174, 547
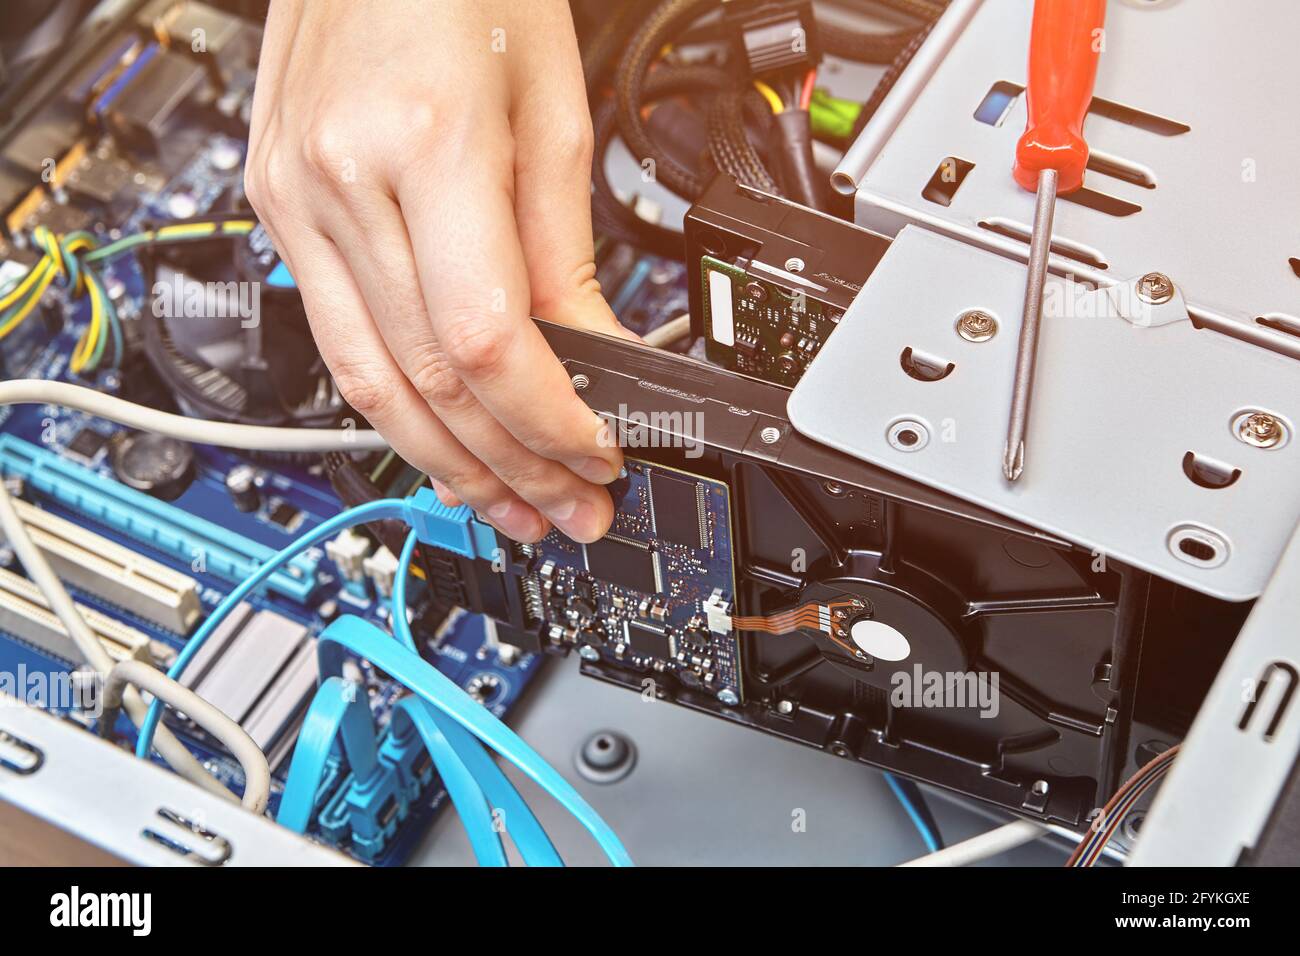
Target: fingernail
596, 470
445, 494
577, 519
516, 520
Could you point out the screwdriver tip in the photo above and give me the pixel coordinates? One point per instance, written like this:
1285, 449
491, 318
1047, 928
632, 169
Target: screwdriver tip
1013, 461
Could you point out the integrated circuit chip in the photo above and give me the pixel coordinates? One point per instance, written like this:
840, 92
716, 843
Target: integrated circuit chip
86, 445
628, 564
646, 640
285, 515
678, 510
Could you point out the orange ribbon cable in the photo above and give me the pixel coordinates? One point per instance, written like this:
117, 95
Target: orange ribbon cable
827, 618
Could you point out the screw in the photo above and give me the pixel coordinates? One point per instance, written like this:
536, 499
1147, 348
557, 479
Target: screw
728, 697
588, 653
755, 291
770, 435
785, 707
580, 381
833, 488
1260, 429
976, 326
1155, 288
794, 264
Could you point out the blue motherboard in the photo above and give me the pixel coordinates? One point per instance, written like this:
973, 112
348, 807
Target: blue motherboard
61, 461
38, 445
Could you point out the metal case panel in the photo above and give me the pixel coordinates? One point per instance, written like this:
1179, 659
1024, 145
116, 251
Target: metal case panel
1189, 138
1118, 406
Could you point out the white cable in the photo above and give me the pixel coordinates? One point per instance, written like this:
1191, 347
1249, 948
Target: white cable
257, 773
674, 330
176, 754
983, 846
34, 391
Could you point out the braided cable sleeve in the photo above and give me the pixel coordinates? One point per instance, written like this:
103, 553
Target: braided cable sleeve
729, 144
920, 9
609, 214
881, 47
664, 22
869, 47
614, 31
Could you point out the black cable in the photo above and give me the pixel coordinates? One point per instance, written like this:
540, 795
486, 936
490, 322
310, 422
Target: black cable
877, 46
354, 487
598, 54
860, 46
729, 143
659, 29
609, 215
889, 78
793, 138
920, 9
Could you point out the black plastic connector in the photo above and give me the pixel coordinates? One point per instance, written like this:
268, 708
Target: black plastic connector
772, 36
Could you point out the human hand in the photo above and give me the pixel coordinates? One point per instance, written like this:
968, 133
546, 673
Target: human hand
424, 171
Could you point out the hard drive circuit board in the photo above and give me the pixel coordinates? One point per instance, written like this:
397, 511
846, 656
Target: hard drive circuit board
645, 593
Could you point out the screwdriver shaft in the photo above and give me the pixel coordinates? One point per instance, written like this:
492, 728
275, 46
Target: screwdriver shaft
1040, 245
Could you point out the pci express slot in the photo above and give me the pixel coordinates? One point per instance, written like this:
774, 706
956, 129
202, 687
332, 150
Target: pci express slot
167, 529
119, 575
25, 615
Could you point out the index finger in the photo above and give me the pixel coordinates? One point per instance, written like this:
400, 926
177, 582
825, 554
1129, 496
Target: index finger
475, 285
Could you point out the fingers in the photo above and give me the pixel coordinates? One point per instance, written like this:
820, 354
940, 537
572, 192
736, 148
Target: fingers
396, 209
552, 131
473, 278
371, 382
379, 252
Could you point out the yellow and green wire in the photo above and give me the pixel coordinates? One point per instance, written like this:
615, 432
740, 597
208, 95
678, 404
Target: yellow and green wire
72, 259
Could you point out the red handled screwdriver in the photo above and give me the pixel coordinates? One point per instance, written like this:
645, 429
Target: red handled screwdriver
1065, 39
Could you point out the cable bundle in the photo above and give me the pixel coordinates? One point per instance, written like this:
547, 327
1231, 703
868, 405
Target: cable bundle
73, 260
1112, 815
67, 259
353, 635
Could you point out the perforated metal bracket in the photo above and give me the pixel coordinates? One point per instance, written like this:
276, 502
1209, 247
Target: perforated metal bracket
1148, 437
1197, 175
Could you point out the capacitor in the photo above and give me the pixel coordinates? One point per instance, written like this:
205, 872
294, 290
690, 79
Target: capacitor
156, 464
241, 482
182, 205
225, 156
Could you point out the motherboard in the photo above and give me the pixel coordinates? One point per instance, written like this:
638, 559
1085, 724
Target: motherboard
145, 570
